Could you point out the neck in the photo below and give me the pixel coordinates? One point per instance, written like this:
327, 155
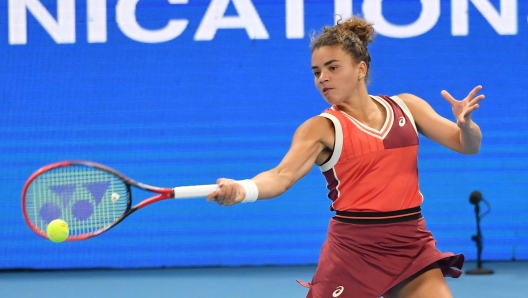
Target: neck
359, 104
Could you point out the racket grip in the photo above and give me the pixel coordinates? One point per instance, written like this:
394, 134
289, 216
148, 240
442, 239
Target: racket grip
197, 191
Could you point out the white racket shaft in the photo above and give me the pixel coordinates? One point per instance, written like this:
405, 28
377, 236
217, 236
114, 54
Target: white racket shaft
197, 191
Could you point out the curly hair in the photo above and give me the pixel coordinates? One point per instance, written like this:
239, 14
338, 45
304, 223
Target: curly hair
354, 35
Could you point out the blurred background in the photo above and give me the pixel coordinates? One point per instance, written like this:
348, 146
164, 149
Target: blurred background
183, 92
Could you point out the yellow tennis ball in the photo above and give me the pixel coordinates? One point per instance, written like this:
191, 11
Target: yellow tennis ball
58, 230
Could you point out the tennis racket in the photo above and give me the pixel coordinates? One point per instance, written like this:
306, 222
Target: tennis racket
90, 197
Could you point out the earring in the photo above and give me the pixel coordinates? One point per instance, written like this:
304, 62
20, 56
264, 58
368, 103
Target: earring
360, 78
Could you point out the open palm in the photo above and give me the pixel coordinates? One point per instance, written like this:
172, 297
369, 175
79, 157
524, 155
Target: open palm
462, 109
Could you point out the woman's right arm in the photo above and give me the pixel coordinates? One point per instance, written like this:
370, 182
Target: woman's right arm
309, 142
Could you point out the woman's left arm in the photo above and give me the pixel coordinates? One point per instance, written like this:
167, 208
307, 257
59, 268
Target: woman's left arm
464, 136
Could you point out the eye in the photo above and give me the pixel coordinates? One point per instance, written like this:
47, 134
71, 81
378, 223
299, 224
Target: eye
333, 67
316, 73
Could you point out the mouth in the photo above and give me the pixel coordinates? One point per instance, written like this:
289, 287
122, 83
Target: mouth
325, 90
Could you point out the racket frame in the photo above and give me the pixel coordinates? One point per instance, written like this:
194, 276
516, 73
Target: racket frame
163, 194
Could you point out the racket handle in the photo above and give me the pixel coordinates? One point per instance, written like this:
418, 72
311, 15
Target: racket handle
197, 191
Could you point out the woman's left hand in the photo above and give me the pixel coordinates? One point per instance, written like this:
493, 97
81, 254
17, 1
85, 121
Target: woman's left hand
462, 109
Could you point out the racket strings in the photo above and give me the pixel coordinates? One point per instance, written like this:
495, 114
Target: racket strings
87, 198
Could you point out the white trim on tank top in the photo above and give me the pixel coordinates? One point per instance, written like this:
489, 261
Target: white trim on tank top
338, 143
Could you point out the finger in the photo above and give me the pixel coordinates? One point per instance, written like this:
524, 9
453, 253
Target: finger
473, 92
210, 197
466, 115
223, 192
476, 99
214, 195
448, 97
221, 200
471, 109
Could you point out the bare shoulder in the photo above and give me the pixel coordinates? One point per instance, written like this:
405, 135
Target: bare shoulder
317, 128
415, 104
316, 124
410, 99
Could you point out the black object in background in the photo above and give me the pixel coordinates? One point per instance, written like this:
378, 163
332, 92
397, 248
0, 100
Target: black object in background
475, 198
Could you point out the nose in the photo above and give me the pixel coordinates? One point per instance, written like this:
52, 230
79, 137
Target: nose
323, 77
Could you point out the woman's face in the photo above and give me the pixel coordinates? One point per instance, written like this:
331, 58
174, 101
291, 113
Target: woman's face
336, 74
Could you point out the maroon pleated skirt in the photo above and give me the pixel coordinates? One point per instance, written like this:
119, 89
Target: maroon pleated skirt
368, 260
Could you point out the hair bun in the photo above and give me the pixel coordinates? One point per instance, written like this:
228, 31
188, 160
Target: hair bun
360, 27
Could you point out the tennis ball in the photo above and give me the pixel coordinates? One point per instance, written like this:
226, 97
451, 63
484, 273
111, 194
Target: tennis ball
58, 230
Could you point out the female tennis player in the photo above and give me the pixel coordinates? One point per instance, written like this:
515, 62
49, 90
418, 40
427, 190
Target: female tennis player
366, 147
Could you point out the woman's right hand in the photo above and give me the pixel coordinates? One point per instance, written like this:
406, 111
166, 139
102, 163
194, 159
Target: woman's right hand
228, 194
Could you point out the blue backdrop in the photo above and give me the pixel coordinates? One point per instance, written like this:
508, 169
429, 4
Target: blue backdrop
219, 93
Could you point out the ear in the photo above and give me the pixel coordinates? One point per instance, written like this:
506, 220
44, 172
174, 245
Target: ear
362, 69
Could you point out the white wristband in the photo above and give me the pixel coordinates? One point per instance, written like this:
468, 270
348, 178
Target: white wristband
251, 190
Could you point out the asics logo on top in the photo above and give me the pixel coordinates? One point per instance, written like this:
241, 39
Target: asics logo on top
402, 121
338, 291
